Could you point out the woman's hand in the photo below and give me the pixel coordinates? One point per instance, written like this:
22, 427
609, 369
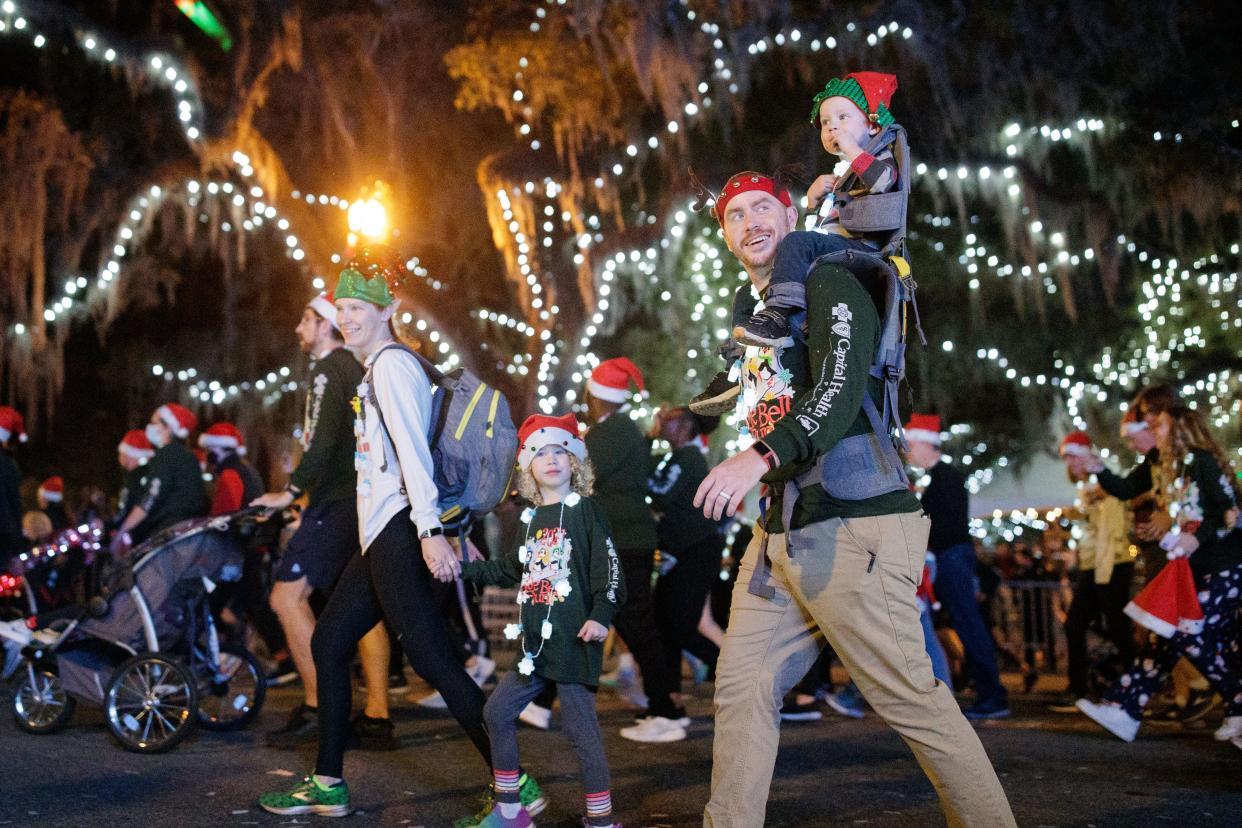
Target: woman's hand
593, 631
440, 558
1155, 528
1187, 543
819, 190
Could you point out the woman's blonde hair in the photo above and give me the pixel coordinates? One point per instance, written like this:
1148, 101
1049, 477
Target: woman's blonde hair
581, 480
1188, 433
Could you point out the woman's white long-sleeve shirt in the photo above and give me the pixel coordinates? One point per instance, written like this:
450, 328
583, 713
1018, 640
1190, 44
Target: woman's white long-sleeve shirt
394, 465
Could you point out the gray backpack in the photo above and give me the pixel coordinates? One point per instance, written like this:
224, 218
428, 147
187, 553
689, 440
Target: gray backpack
472, 438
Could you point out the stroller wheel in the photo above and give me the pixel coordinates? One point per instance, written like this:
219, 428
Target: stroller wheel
151, 703
41, 704
230, 696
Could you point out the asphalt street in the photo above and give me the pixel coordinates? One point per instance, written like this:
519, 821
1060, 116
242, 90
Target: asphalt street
1059, 770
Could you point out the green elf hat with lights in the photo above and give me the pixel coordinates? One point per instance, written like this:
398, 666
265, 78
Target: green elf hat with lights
373, 274
872, 92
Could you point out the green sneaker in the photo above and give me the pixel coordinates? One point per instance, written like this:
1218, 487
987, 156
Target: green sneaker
308, 797
529, 794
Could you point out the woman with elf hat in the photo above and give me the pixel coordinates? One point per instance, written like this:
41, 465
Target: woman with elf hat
569, 588
174, 490
403, 544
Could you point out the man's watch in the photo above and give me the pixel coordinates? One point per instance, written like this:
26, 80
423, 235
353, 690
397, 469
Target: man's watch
431, 533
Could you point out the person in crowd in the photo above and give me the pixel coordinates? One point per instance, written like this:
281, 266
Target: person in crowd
620, 454
37, 527
823, 564
570, 586
133, 454
174, 490
1105, 570
1197, 494
690, 542
398, 518
51, 499
947, 504
12, 432
237, 484
327, 536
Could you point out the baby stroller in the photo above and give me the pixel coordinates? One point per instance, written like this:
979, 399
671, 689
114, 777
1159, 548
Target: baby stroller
147, 649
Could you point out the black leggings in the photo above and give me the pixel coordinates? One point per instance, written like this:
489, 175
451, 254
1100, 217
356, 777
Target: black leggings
390, 581
679, 597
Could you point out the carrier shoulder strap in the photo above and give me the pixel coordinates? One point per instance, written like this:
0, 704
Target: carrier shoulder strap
436, 378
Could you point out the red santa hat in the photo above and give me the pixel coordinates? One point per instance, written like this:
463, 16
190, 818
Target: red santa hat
136, 445
179, 419
223, 435
1131, 424
745, 182
1169, 604
12, 425
1076, 444
610, 381
53, 489
325, 307
924, 428
539, 430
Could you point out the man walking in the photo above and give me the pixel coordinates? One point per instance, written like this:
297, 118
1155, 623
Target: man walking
842, 564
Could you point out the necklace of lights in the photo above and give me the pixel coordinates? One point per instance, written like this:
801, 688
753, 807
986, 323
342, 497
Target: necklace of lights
562, 587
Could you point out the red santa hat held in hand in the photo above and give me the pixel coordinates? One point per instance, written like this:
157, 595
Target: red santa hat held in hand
179, 419
924, 428
12, 425
539, 430
610, 381
1076, 444
53, 489
223, 435
136, 445
1169, 603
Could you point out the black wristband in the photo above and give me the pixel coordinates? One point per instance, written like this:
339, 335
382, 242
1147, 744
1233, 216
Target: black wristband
767, 454
293, 490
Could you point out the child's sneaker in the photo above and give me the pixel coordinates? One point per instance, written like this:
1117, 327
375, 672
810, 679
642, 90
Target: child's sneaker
768, 328
308, 797
529, 794
495, 819
719, 398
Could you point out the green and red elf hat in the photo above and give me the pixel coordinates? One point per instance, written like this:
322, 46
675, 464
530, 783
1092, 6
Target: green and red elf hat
373, 274
871, 92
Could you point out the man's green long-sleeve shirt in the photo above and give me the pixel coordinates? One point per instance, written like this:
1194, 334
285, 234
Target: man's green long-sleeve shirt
830, 374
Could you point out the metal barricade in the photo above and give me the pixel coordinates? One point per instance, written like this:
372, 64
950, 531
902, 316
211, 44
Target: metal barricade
1029, 622
500, 607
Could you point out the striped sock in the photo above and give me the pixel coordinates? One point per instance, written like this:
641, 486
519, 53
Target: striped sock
599, 808
507, 785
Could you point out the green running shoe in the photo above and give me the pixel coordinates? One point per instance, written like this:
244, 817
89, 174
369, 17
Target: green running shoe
529, 794
308, 797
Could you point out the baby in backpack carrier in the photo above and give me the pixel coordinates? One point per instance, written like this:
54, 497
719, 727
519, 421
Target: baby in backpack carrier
855, 125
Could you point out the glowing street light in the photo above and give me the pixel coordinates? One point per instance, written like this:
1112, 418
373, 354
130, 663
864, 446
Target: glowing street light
368, 217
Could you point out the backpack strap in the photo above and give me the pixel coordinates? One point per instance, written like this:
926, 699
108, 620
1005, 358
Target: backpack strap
434, 376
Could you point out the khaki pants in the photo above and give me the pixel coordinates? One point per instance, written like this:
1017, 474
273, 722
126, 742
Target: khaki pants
851, 580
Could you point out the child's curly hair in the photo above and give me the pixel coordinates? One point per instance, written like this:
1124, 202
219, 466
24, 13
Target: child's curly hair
581, 480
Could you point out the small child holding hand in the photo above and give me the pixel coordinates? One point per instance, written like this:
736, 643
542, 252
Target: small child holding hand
569, 587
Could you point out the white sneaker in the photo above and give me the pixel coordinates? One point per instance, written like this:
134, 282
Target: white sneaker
434, 702
536, 716
655, 729
16, 631
1112, 718
482, 670
1229, 729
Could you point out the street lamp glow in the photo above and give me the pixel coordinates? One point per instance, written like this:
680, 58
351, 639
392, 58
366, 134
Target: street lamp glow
368, 218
